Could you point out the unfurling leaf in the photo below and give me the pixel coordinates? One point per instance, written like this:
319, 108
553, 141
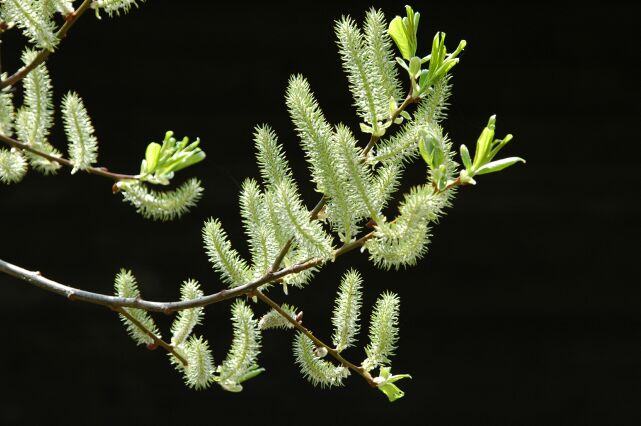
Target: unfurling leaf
385, 383
486, 149
403, 32
163, 161
152, 155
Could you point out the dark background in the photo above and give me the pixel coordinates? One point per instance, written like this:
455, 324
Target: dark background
525, 312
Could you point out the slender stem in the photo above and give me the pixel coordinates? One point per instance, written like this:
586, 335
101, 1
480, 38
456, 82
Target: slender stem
330, 350
372, 141
98, 171
283, 252
157, 340
44, 53
71, 293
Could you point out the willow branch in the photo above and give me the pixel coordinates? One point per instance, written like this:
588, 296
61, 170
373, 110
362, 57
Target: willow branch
330, 350
98, 171
35, 278
44, 53
157, 340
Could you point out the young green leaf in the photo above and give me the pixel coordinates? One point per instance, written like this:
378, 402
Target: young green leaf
163, 161
397, 32
152, 155
403, 32
465, 156
498, 165
385, 383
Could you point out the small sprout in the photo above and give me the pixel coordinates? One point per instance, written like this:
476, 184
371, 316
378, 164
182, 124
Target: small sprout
465, 156
385, 383
486, 149
152, 155
162, 161
440, 62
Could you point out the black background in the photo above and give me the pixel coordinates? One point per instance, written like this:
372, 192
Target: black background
526, 310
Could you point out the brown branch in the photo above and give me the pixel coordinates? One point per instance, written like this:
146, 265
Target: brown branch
98, 171
44, 53
333, 352
157, 340
71, 293
407, 102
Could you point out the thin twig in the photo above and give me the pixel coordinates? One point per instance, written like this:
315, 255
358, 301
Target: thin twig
98, 171
374, 139
157, 340
44, 53
330, 350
